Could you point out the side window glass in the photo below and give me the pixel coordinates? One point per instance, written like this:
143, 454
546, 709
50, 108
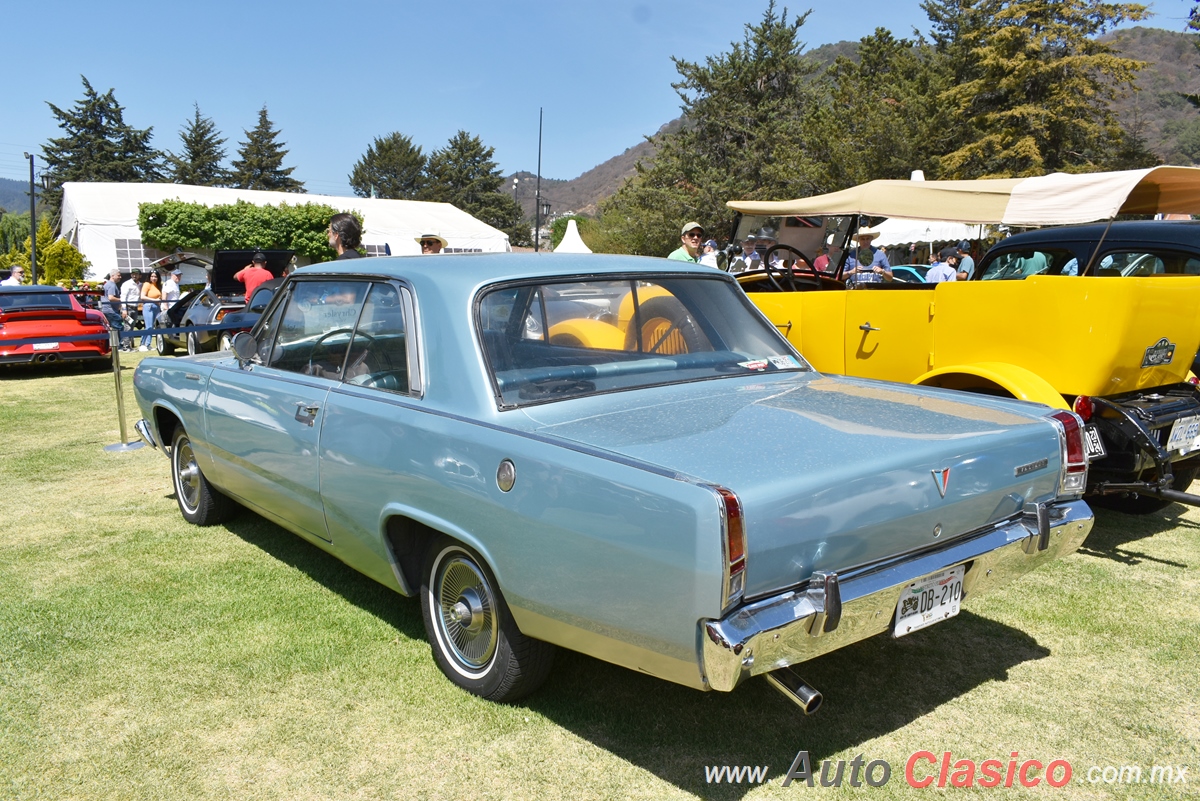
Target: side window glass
264, 332
1191, 266
1131, 264
1018, 264
316, 327
378, 354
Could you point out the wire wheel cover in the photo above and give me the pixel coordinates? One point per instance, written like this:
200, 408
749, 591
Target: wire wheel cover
467, 612
187, 475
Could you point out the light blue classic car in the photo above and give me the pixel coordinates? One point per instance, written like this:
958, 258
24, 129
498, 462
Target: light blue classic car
615, 455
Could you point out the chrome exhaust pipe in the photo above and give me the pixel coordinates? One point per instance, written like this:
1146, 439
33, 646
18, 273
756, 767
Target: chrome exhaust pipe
796, 689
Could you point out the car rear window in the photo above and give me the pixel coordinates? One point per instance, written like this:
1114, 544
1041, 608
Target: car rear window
17, 301
565, 339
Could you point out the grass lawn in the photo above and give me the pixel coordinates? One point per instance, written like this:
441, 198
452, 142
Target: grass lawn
143, 658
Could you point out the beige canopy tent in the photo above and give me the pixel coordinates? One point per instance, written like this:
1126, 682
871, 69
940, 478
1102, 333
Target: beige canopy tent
1057, 199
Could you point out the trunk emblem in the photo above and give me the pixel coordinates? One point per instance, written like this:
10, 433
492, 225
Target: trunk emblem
1159, 354
942, 479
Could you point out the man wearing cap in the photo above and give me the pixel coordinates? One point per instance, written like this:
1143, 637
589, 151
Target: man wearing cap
431, 244
691, 235
945, 268
254, 273
966, 265
709, 257
131, 295
873, 267
748, 259
112, 300
171, 288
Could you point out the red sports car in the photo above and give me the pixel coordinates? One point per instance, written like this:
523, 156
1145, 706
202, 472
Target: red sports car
31, 312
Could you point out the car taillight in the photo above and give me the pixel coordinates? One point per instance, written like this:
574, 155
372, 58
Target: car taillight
734, 546
1193, 380
1075, 465
1083, 407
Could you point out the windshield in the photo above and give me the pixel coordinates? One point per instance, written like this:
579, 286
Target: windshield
566, 339
16, 301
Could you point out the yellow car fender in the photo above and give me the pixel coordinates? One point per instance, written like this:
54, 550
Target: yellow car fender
583, 332
990, 377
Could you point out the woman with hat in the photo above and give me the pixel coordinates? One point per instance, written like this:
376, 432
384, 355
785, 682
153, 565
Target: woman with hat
868, 264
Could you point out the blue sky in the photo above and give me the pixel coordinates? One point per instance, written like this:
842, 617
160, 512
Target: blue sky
336, 75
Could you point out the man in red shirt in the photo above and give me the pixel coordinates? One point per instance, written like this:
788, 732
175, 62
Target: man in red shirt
254, 273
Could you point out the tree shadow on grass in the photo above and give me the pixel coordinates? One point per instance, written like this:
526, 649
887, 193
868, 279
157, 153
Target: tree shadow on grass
1114, 531
871, 688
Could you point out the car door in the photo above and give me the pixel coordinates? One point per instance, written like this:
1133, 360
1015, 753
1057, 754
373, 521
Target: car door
264, 421
889, 332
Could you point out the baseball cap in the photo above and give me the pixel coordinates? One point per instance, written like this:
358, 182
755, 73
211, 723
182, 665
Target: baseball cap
177, 271
964, 245
259, 256
712, 243
947, 253
691, 226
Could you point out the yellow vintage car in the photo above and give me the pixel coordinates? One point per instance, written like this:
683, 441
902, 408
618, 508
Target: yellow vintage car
1116, 348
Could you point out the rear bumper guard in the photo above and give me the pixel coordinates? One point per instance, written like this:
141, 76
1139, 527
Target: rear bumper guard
835, 611
1140, 425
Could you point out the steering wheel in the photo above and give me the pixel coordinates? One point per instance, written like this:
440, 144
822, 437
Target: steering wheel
788, 274
321, 339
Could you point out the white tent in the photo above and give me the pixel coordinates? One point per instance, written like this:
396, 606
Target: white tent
899, 231
101, 219
572, 242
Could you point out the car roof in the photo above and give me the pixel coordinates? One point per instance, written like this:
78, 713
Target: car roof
469, 270
12, 290
1166, 232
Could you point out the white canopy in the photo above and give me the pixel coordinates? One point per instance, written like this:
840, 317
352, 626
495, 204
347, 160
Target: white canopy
1057, 199
572, 242
101, 220
900, 231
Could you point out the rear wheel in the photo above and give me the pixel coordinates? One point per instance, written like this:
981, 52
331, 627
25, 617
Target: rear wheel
199, 503
474, 640
1145, 504
226, 341
163, 347
193, 344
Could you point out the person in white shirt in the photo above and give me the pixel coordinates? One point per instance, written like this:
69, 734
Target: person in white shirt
171, 289
15, 277
709, 257
131, 295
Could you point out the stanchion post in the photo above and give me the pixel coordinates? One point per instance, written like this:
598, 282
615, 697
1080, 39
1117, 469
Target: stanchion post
114, 341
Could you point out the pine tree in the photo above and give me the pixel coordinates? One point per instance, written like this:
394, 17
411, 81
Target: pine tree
391, 168
1041, 101
743, 137
260, 165
464, 174
199, 163
98, 145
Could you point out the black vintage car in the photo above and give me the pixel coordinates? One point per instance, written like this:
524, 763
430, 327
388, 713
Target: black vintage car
210, 305
1141, 435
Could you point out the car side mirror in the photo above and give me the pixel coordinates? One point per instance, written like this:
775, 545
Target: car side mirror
245, 347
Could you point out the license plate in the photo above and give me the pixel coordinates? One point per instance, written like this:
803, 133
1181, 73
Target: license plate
1094, 443
45, 346
1184, 434
929, 600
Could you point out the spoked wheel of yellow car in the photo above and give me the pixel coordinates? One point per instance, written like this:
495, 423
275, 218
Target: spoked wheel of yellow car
789, 279
199, 503
474, 639
666, 329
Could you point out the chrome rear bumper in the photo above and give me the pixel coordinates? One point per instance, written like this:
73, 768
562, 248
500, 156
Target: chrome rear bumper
147, 434
796, 626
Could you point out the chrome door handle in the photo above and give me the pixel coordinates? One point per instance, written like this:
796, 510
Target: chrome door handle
867, 327
307, 412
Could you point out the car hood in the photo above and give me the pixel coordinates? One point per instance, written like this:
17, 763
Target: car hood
831, 472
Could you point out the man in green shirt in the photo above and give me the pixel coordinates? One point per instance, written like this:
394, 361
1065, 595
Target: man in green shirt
691, 236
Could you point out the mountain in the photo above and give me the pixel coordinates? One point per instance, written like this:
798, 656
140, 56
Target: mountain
14, 195
1168, 124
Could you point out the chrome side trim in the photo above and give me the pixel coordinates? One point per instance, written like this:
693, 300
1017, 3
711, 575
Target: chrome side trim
778, 631
147, 434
